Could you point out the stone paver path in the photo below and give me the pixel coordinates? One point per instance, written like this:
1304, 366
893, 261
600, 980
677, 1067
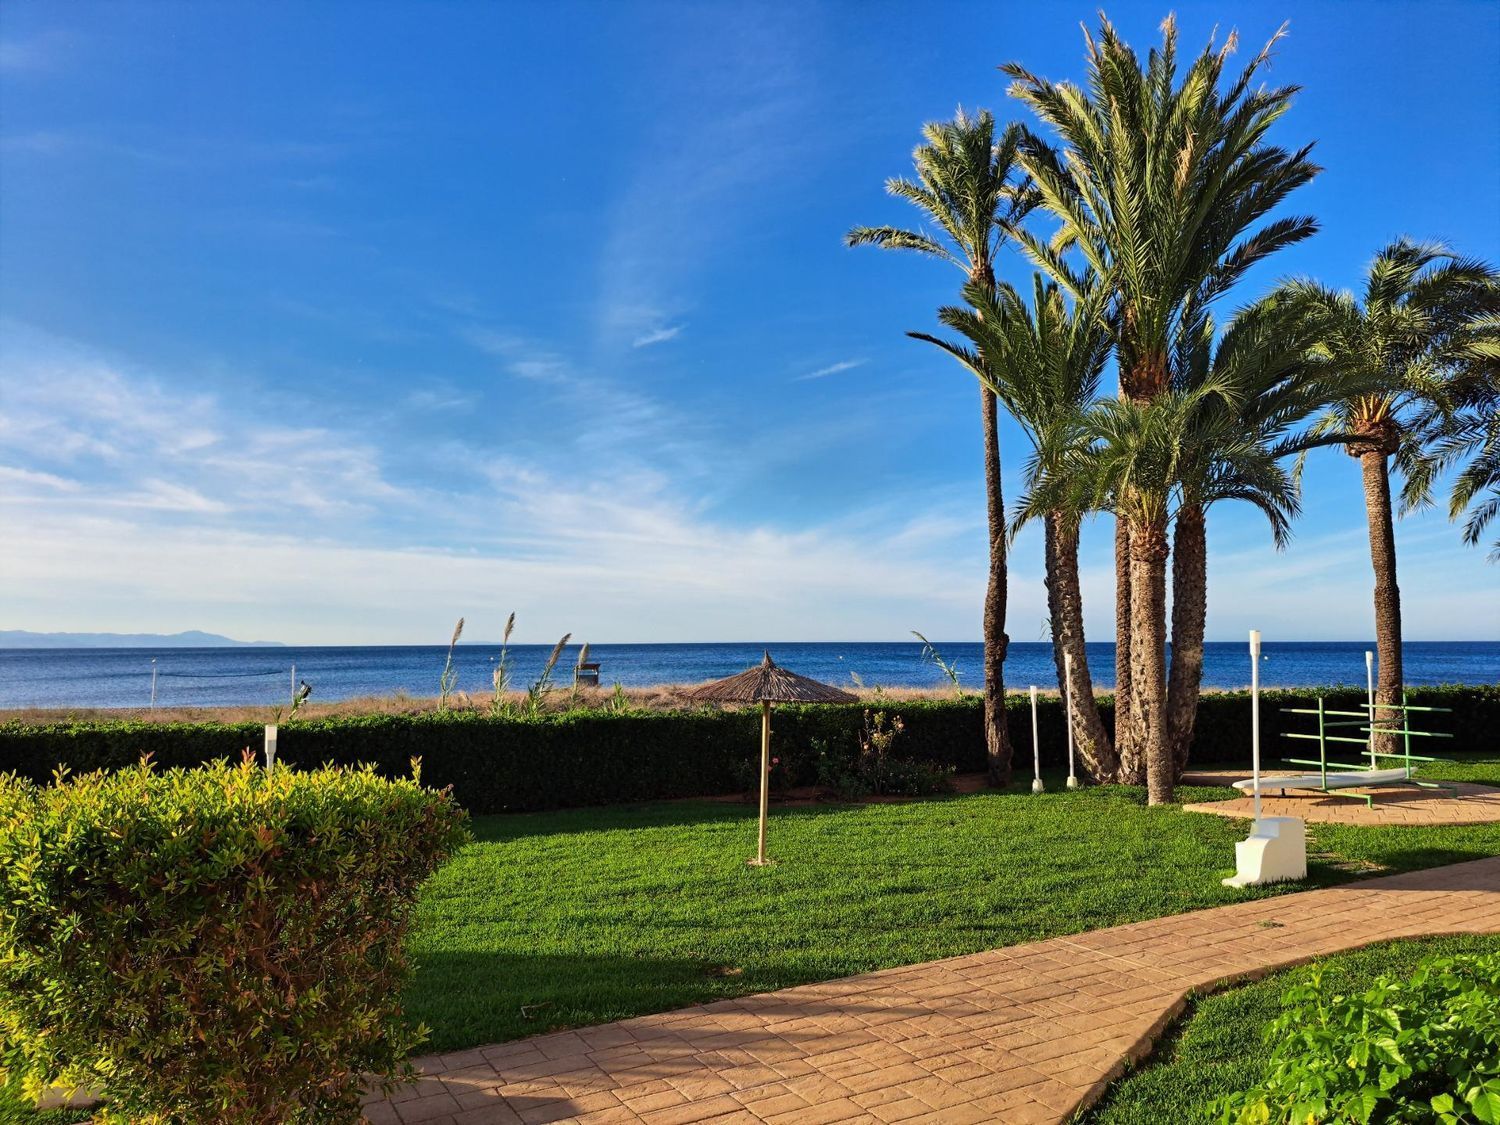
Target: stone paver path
1475, 804
1021, 1035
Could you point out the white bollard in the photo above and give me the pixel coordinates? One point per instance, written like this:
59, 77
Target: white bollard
270, 746
1370, 698
1068, 715
1255, 715
1036, 747
1276, 849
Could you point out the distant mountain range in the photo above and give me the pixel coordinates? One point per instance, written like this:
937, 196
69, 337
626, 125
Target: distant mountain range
193, 638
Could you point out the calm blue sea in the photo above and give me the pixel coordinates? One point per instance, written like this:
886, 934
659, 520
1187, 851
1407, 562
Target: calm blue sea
121, 677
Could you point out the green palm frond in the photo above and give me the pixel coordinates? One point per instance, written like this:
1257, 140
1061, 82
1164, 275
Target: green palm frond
1415, 351
968, 186
1161, 180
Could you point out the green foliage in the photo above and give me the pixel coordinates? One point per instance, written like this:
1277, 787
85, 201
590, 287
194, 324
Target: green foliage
873, 768
217, 944
1219, 1048
1425, 1049
949, 671
509, 763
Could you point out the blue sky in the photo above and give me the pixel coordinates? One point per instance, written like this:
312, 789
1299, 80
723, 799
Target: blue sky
328, 323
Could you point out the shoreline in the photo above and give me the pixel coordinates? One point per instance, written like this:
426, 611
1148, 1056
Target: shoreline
666, 697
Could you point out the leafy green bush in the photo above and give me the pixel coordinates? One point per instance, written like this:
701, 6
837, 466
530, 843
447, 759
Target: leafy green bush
873, 767
217, 944
1427, 1049
499, 763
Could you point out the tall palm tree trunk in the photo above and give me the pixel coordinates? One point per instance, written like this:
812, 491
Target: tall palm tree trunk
1388, 686
1132, 768
997, 742
1053, 588
1065, 605
1148, 602
1189, 614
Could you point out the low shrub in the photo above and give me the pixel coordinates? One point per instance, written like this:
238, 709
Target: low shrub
874, 766
217, 944
512, 764
1425, 1049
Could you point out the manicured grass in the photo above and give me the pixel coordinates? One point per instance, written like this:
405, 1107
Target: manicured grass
1218, 1048
579, 917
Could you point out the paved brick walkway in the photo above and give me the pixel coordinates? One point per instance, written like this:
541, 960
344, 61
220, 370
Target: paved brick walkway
1475, 804
1022, 1035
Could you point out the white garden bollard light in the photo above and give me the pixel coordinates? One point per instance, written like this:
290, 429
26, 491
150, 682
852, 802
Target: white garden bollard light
1036, 747
1276, 849
270, 746
1068, 715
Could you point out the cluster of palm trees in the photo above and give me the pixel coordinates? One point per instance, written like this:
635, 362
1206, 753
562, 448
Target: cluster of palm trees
1155, 192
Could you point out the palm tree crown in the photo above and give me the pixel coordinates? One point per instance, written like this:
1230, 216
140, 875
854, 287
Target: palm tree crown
1043, 361
1413, 342
968, 185
1160, 184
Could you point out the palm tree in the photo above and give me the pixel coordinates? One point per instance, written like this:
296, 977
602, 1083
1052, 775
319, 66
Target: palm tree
1407, 342
1469, 433
967, 185
1128, 461
1043, 362
1273, 380
1163, 187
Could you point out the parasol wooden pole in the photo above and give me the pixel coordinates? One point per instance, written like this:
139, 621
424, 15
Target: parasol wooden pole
765, 779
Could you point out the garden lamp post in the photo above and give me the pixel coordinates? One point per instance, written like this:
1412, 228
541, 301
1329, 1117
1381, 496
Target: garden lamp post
767, 684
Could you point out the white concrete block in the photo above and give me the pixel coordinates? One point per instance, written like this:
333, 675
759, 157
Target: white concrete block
1275, 852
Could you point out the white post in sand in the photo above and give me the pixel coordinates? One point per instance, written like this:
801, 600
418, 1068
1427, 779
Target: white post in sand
1276, 849
1255, 715
1036, 747
270, 746
1370, 702
153, 683
1068, 708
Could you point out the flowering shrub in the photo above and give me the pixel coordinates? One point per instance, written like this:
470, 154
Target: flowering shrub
874, 769
1427, 1049
216, 944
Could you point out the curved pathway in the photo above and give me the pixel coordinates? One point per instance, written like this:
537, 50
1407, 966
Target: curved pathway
1475, 804
1026, 1034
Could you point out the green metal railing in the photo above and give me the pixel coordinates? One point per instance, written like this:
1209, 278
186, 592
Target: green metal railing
1371, 725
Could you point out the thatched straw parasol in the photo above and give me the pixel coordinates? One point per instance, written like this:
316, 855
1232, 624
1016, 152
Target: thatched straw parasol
767, 684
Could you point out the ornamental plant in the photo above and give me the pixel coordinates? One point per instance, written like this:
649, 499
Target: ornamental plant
213, 944
1426, 1049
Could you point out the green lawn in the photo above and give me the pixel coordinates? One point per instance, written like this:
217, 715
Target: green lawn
578, 917
570, 918
1218, 1048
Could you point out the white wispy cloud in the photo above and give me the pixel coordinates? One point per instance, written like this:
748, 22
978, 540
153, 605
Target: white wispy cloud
831, 369
189, 513
130, 505
38, 54
657, 336
439, 398
27, 478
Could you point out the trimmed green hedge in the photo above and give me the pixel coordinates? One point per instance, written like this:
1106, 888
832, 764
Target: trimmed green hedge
219, 944
592, 758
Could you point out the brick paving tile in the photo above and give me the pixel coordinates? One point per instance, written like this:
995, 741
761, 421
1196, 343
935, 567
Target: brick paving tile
1475, 804
1026, 1035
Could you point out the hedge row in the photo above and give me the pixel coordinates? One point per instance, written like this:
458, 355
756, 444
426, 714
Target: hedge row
589, 758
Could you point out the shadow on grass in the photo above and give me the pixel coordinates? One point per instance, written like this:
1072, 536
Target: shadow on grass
485, 998
499, 827
479, 997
